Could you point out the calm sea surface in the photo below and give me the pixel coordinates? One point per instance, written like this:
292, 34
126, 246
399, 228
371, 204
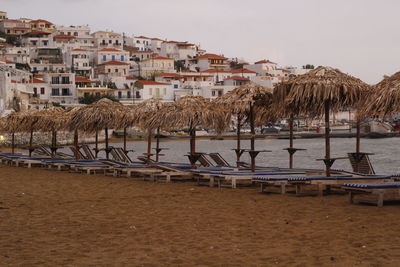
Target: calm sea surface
386, 159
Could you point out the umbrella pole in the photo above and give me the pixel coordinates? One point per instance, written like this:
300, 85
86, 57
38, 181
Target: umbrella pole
148, 145
158, 144
193, 145
53, 143
107, 150
358, 137
76, 144
291, 142
253, 138
125, 141
327, 140
13, 143
96, 143
30, 144
238, 152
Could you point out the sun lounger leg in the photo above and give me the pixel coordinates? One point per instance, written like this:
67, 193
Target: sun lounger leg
211, 181
351, 198
233, 183
283, 189
168, 178
320, 190
380, 199
88, 171
262, 188
298, 190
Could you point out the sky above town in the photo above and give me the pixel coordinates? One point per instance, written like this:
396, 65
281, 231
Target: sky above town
360, 37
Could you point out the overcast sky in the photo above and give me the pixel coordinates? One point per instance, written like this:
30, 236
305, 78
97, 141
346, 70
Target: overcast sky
361, 37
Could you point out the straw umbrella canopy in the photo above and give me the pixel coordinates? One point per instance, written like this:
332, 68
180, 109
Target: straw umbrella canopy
251, 103
385, 100
281, 91
11, 125
53, 120
28, 123
321, 91
143, 112
191, 112
103, 114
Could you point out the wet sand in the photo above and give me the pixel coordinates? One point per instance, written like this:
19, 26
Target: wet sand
50, 218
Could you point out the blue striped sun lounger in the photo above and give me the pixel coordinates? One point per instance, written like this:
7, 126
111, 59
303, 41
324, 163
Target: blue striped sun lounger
388, 190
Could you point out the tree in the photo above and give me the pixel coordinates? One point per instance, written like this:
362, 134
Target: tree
89, 99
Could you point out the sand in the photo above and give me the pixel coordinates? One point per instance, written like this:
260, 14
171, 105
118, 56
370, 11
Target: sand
50, 218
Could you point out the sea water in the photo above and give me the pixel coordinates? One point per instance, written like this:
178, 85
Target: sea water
386, 158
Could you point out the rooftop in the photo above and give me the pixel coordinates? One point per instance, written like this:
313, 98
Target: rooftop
114, 62
146, 82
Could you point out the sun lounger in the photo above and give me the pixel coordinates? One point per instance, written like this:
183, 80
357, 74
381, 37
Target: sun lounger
124, 156
383, 191
77, 153
323, 182
364, 164
88, 152
219, 160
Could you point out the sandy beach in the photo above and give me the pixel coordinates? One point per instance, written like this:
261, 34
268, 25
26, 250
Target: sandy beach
52, 218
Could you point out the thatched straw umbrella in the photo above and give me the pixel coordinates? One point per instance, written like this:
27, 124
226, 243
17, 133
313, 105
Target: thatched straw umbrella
52, 119
28, 123
281, 91
143, 113
385, 99
103, 114
12, 125
321, 91
191, 112
245, 102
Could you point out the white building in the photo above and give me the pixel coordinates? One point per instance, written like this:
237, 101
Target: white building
210, 61
79, 61
178, 50
112, 69
62, 87
150, 89
12, 88
35, 39
111, 54
153, 66
263, 67
104, 39
81, 34
142, 43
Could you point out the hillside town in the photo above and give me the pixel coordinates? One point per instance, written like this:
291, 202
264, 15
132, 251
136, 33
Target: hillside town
43, 64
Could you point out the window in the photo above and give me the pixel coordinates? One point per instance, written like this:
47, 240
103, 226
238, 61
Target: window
137, 94
45, 68
122, 58
219, 93
55, 92
42, 91
129, 94
109, 70
34, 91
213, 93
157, 92
55, 80
65, 91
113, 57
120, 94
110, 41
150, 91
86, 94
97, 94
45, 43
164, 91
104, 58
75, 33
175, 86
65, 80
